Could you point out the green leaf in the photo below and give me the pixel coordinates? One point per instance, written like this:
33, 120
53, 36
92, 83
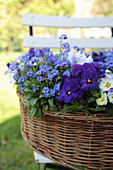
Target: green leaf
33, 112
50, 101
34, 69
28, 90
28, 96
27, 83
41, 96
43, 101
100, 108
86, 114
26, 104
33, 101
59, 112
53, 108
45, 107
91, 100
39, 112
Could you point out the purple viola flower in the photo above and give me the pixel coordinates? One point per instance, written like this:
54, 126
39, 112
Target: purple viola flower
65, 80
69, 91
77, 69
98, 67
31, 52
98, 58
88, 66
40, 53
8, 64
89, 79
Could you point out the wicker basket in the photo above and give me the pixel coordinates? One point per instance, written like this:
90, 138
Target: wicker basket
70, 139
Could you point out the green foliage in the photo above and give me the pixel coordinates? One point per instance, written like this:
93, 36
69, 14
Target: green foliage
11, 28
105, 9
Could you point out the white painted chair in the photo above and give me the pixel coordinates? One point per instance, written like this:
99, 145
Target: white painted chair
65, 22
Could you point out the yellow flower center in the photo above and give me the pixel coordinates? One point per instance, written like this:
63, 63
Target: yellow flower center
108, 85
89, 81
58, 94
69, 93
102, 100
75, 61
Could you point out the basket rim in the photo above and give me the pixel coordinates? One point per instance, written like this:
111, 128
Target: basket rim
100, 117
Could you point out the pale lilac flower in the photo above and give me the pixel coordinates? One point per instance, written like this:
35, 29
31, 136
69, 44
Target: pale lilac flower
78, 57
106, 83
103, 100
110, 95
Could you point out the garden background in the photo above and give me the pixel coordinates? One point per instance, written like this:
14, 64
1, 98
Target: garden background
14, 152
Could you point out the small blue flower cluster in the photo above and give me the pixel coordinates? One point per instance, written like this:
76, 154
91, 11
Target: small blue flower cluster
51, 92
31, 74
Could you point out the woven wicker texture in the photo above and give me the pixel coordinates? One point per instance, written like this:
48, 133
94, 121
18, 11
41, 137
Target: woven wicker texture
70, 139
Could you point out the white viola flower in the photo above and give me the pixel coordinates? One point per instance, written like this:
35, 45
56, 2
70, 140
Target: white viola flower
106, 83
110, 95
109, 75
21, 66
19, 59
103, 100
77, 57
83, 59
72, 56
11, 77
108, 72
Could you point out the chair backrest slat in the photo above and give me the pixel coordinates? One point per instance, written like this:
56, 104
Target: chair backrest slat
67, 22
31, 41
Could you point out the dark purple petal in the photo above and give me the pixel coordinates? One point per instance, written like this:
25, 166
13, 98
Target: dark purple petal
65, 80
76, 70
67, 99
8, 64
31, 52
80, 93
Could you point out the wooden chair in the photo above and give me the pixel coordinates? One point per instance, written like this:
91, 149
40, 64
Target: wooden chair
65, 22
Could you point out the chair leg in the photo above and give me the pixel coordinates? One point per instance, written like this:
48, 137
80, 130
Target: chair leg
44, 166
38, 166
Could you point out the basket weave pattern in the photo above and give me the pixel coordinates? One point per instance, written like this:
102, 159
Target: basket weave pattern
70, 139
